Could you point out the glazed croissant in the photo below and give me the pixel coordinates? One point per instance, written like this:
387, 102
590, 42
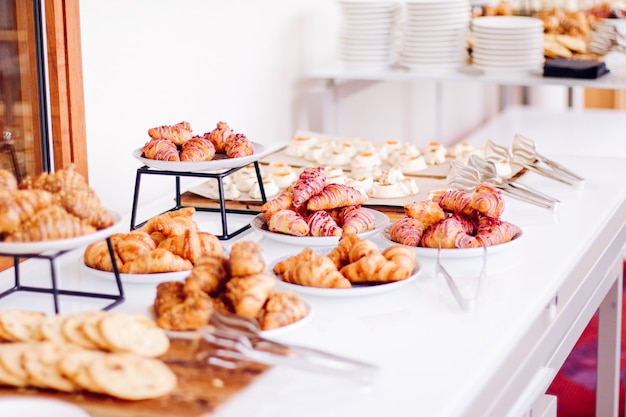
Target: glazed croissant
493, 231
238, 145
197, 149
488, 201
335, 195
161, 150
209, 274
282, 308
85, 204
219, 135
248, 294
453, 232
20, 205
322, 224
406, 231
178, 133
156, 261
311, 181
311, 270
283, 201
97, 256
50, 223
456, 201
192, 244
177, 309
375, 267
427, 212
246, 258
288, 222
356, 219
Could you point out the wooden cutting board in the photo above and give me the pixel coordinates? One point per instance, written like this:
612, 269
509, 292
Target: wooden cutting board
201, 389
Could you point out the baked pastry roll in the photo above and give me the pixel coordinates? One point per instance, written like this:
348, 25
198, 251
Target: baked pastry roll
178, 133
335, 195
197, 149
161, 150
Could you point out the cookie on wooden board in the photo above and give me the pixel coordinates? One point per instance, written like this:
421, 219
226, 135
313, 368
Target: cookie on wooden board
132, 377
20, 325
133, 333
75, 366
41, 361
11, 370
72, 329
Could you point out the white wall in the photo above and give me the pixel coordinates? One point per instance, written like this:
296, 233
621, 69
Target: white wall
153, 62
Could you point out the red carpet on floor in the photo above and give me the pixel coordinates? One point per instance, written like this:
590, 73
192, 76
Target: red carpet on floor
575, 384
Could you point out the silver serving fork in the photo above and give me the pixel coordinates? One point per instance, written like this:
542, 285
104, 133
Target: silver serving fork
241, 339
525, 154
463, 176
465, 303
605, 38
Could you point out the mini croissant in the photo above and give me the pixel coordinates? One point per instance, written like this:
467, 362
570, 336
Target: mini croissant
158, 260
50, 223
335, 195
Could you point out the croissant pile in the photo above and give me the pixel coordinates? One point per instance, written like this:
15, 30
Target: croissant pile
311, 206
235, 283
455, 219
353, 260
169, 242
177, 143
49, 206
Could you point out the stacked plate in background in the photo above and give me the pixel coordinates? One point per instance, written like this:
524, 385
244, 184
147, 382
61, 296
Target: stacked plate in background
434, 34
507, 43
369, 33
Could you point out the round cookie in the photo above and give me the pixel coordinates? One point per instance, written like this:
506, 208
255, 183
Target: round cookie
133, 333
50, 328
20, 325
11, 370
76, 367
72, 329
91, 329
132, 377
41, 361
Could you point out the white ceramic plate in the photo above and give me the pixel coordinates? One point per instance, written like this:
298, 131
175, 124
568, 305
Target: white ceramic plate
456, 253
33, 406
23, 248
258, 224
136, 278
220, 162
508, 24
356, 290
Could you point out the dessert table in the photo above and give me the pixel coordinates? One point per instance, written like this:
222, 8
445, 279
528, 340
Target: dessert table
433, 358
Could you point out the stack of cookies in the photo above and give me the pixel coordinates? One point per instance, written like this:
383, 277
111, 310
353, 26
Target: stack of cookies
107, 353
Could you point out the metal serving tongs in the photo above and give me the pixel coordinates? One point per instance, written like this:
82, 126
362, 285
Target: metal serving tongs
241, 340
525, 154
489, 175
464, 302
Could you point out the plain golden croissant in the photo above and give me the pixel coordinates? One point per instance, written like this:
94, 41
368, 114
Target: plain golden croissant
178, 133
282, 201
487, 200
192, 244
8, 182
335, 195
197, 149
50, 223
209, 274
161, 150
97, 256
85, 204
219, 135
282, 308
171, 223
322, 224
356, 219
247, 295
288, 222
238, 145
361, 248
246, 258
374, 267
20, 205
340, 254
407, 231
311, 181
133, 245
404, 258
428, 212
312, 270
156, 261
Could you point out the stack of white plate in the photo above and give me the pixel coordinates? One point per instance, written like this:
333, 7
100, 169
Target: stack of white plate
369, 32
435, 34
507, 43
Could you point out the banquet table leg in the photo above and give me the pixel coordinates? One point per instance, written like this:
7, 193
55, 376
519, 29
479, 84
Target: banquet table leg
609, 347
